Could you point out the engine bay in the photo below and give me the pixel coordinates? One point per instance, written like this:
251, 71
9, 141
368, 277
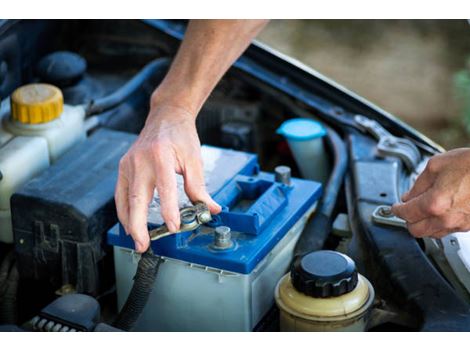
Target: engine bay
62, 247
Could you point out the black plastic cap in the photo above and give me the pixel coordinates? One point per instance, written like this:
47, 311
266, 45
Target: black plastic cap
324, 274
61, 68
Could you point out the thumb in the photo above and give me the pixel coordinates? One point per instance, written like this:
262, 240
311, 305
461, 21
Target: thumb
195, 188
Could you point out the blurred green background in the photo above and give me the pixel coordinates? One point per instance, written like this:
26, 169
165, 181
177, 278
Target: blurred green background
418, 70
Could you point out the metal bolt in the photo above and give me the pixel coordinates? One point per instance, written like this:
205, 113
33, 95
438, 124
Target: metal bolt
205, 217
282, 174
390, 142
222, 237
386, 212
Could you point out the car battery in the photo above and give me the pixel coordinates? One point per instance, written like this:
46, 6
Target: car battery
222, 276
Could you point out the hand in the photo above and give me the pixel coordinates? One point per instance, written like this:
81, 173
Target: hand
168, 143
439, 201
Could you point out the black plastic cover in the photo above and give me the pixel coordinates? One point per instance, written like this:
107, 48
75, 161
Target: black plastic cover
60, 218
324, 274
76, 311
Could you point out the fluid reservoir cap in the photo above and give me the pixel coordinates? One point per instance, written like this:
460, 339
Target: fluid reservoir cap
301, 129
324, 274
62, 68
36, 103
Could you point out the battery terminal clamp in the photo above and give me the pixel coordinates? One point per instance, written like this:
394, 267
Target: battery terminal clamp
191, 218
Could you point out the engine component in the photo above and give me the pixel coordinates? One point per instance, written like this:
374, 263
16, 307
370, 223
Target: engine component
424, 294
69, 313
237, 135
60, 217
324, 292
230, 123
305, 139
383, 215
318, 229
389, 145
61, 68
153, 70
36, 133
452, 255
229, 288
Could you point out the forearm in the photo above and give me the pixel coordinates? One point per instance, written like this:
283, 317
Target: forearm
208, 50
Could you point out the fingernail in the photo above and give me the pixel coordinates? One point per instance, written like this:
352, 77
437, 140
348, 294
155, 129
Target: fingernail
139, 247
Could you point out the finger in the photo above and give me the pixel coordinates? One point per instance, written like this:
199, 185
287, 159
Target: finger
140, 194
195, 187
422, 184
415, 209
426, 228
122, 201
436, 226
168, 193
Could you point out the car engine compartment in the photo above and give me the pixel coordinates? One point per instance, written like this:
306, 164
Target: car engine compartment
62, 249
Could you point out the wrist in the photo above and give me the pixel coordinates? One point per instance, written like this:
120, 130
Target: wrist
175, 94
169, 109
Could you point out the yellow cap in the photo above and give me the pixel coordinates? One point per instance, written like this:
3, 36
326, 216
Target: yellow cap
36, 103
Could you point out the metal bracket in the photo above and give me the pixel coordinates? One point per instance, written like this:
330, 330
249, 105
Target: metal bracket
383, 215
191, 218
389, 145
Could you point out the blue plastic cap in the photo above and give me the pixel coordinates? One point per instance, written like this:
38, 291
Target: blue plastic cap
301, 129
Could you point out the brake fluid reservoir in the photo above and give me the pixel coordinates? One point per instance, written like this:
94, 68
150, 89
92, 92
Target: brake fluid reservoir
36, 132
324, 292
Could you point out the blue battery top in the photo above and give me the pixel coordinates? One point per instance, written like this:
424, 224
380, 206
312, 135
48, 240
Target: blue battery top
258, 210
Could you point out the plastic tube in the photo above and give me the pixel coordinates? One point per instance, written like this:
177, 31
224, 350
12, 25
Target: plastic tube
151, 70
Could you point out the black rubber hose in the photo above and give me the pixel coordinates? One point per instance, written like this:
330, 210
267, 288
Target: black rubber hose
9, 279
144, 281
152, 70
318, 228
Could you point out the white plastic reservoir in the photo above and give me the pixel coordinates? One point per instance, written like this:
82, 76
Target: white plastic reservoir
305, 139
34, 132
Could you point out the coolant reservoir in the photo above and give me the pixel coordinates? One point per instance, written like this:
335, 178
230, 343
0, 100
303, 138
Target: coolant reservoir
36, 132
324, 292
38, 110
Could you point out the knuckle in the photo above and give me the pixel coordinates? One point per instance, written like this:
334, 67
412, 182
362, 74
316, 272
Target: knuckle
123, 163
136, 157
135, 198
447, 222
157, 147
433, 165
438, 205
